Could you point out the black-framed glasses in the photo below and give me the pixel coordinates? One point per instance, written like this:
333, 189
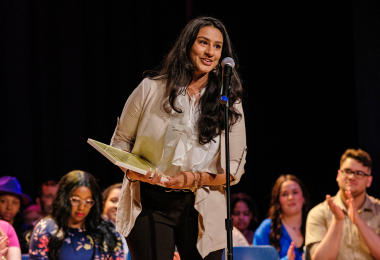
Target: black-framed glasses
76, 201
357, 174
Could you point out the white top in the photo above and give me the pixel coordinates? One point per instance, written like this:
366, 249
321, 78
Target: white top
141, 129
238, 239
182, 150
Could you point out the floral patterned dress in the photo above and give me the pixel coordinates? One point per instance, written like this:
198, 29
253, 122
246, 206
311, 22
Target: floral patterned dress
77, 245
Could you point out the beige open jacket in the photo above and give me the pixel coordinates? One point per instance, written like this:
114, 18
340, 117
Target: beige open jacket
141, 129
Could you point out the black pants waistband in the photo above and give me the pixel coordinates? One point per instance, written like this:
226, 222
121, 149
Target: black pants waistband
160, 189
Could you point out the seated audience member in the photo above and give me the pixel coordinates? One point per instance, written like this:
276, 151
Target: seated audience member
347, 226
12, 202
46, 194
9, 245
238, 239
75, 229
285, 227
111, 197
244, 215
32, 215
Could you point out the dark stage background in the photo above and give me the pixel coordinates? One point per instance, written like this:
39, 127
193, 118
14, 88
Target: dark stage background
310, 71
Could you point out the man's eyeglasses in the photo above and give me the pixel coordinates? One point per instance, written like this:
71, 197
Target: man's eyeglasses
358, 174
75, 201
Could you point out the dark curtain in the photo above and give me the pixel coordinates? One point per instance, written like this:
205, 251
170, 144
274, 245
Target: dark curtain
69, 67
367, 68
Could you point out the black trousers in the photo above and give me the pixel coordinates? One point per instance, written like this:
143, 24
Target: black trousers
168, 219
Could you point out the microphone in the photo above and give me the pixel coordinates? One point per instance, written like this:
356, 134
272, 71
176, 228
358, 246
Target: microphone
228, 64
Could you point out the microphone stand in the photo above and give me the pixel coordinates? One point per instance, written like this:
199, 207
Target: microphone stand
229, 220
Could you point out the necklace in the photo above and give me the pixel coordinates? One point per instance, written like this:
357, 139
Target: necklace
292, 227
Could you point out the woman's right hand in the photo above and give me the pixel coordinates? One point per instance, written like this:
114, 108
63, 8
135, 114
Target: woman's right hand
4, 242
176, 256
291, 253
335, 209
148, 178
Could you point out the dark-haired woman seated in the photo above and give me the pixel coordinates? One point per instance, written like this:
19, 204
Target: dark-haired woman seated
75, 229
285, 227
244, 213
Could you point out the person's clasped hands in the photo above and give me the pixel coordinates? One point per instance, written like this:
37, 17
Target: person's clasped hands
352, 211
4, 243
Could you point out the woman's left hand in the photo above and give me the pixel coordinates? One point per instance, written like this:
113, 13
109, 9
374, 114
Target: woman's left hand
180, 180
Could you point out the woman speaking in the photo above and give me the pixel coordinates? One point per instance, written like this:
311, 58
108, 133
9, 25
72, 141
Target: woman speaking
175, 121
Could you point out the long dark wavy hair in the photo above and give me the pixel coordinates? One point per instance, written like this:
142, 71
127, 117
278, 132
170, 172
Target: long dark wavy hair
275, 210
177, 70
100, 230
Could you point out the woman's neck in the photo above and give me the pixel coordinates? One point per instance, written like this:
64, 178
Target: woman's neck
294, 221
196, 85
10, 221
80, 224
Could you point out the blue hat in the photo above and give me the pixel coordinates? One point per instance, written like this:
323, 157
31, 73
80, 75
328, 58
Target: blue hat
10, 184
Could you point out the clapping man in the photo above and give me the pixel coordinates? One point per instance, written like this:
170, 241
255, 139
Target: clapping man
347, 226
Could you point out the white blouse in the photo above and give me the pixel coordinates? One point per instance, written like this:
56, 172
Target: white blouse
182, 150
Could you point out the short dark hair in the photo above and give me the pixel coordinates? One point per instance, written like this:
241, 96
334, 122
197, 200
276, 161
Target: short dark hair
359, 155
46, 183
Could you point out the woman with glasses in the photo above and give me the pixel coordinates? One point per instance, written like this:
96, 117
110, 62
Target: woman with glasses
75, 229
285, 227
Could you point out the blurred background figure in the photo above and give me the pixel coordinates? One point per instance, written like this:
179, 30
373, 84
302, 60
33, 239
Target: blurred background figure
285, 226
111, 197
244, 214
75, 229
46, 194
9, 245
12, 203
32, 215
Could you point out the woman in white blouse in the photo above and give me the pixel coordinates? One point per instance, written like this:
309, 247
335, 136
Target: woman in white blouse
175, 121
